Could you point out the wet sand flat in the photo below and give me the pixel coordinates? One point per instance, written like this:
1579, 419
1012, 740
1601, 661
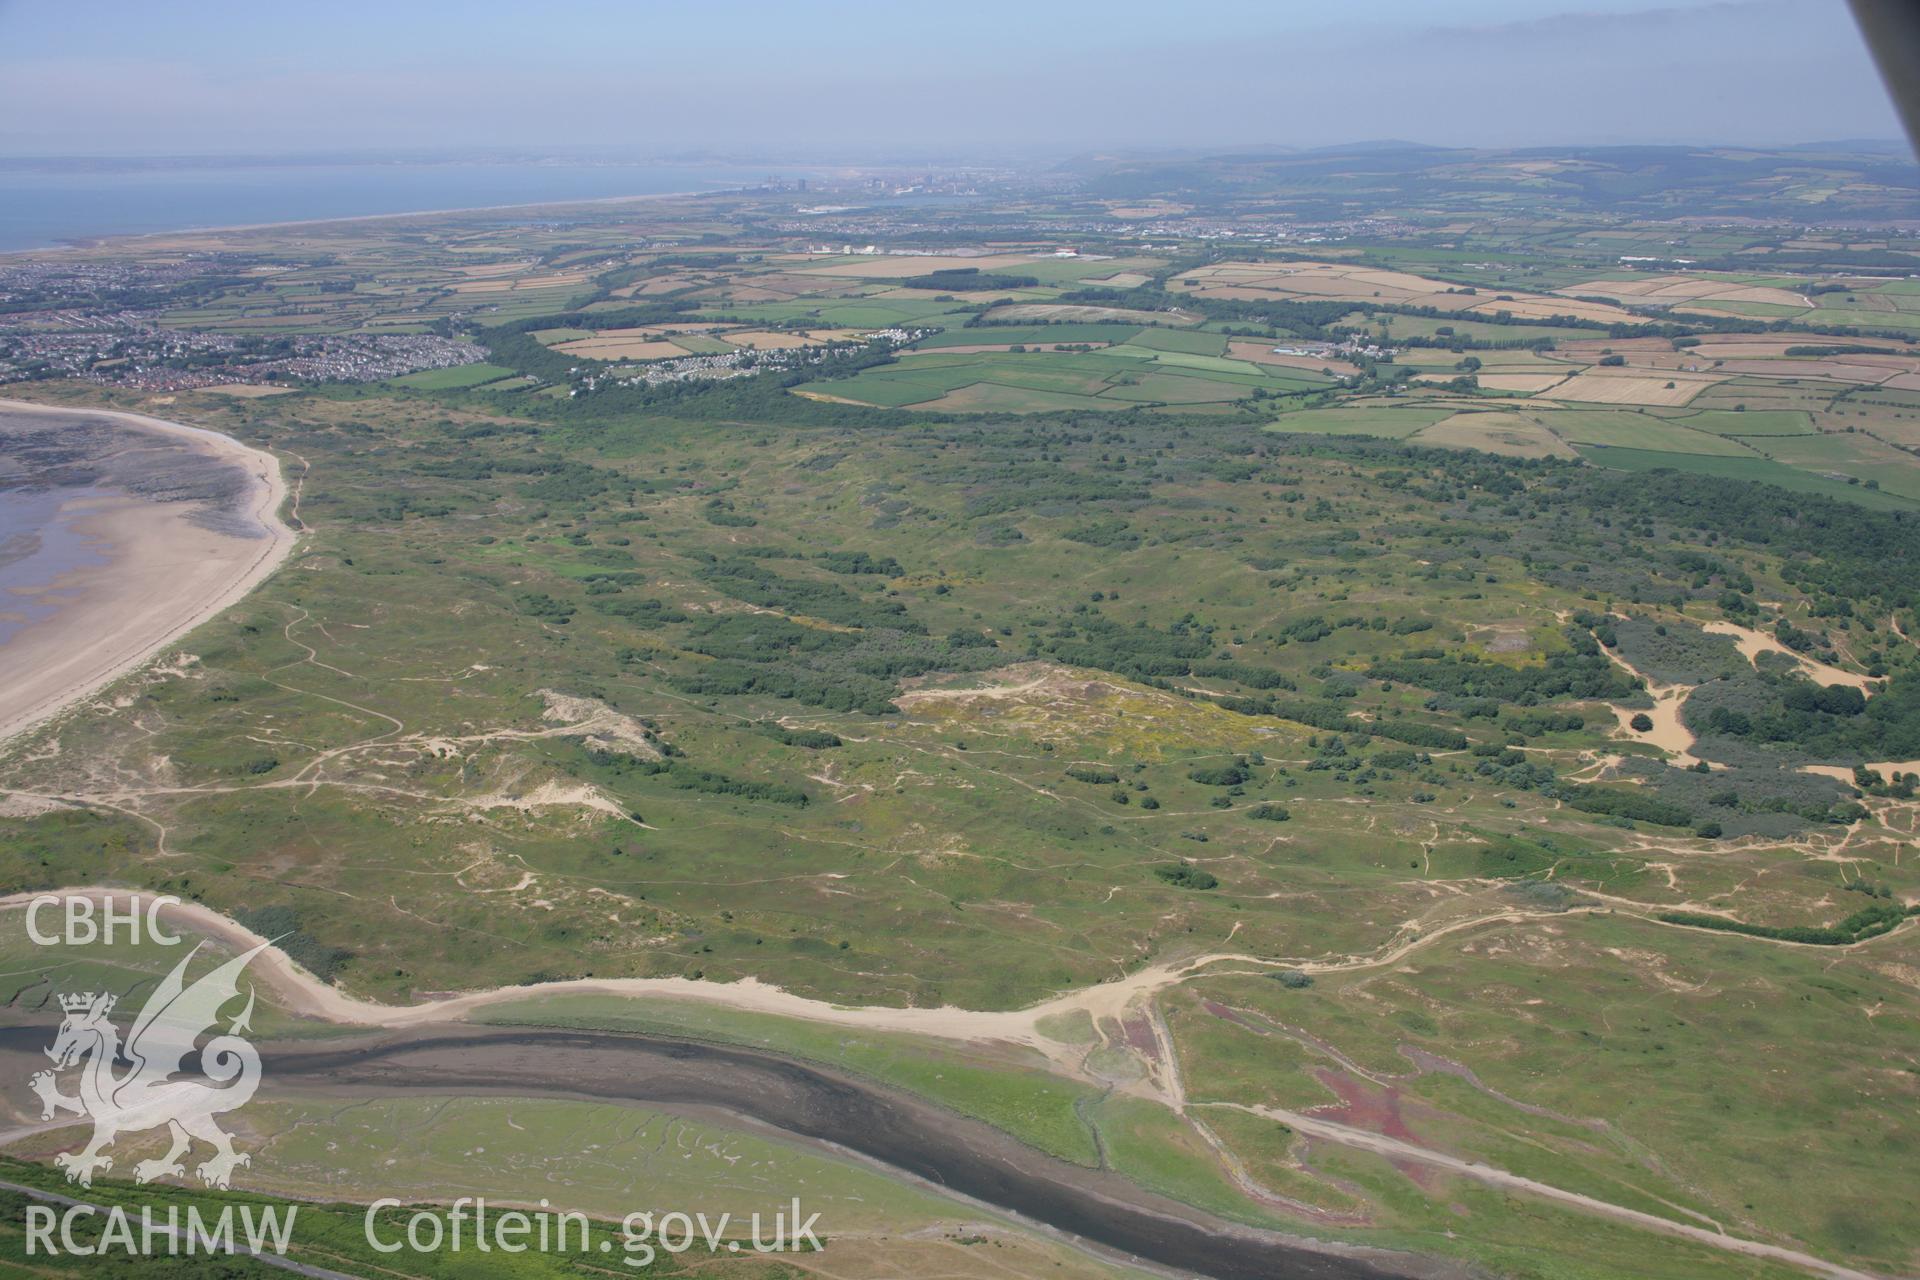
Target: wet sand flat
126, 533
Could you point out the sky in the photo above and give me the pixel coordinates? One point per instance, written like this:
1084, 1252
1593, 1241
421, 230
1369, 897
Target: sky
863, 79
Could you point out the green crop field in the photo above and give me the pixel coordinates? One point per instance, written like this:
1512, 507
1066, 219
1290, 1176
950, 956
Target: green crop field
1761, 422
996, 380
1031, 334
1390, 421
457, 378
1752, 468
1627, 430
1202, 344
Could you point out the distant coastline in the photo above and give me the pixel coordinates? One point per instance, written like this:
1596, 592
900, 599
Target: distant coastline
54, 209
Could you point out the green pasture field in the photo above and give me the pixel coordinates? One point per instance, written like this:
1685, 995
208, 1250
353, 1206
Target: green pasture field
1031, 334
1768, 394
1174, 389
1847, 454
1120, 374
1201, 344
999, 397
1624, 429
1862, 317
1754, 468
1395, 422
457, 378
701, 344
1756, 422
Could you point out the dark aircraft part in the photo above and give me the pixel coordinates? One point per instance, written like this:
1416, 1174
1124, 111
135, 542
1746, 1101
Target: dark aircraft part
1892, 29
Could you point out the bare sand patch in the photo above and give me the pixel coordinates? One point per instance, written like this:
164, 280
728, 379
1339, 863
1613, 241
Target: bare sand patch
1753, 643
1669, 732
15, 804
552, 794
1887, 769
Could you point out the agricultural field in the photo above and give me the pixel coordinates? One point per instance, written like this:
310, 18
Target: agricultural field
1870, 301
1160, 368
1335, 282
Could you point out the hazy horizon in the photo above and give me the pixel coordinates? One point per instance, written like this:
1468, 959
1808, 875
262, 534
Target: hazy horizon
794, 159
855, 81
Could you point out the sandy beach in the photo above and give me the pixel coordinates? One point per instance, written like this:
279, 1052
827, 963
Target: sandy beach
161, 572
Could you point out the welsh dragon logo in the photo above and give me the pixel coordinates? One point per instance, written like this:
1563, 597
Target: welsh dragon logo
146, 1095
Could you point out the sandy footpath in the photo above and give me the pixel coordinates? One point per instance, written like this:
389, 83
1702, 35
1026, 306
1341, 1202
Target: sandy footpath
166, 575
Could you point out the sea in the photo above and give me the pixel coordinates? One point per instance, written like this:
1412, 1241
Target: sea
43, 206
40, 543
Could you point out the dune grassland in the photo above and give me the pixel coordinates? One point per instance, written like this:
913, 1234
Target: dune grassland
1405, 740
